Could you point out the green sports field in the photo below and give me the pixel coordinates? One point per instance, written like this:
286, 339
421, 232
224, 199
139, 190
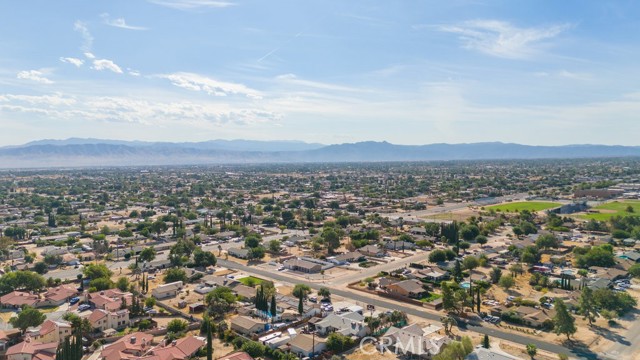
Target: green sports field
614, 208
524, 205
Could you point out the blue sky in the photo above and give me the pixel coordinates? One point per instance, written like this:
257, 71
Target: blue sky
408, 72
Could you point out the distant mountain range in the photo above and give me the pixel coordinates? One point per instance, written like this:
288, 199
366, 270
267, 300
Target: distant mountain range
77, 152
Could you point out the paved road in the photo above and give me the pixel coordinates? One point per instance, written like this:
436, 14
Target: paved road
626, 348
353, 276
521, 339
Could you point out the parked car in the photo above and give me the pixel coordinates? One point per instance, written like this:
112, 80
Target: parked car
74, 300
84, 307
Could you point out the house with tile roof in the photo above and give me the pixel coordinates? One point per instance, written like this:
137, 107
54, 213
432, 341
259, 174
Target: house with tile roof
58, 295
50, 331
102, 320
17, 299
129, 347
110, 300
180, 349
32, 350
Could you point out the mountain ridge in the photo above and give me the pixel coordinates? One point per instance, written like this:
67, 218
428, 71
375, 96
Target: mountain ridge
76, 152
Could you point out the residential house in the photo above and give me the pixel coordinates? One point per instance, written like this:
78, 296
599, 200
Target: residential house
239, 253
184, 348
384, 282
17, 299
305, 345
246, 292
431, 274
349, 324
247, 326
399, 245
413, 340
129, 347
350, 257
302, 266
8, 336
408, 288
32, 350
288, 307
102, 320
372, 250
50, 331
493, 353
631, 255
58, 295
110, 300
167, 290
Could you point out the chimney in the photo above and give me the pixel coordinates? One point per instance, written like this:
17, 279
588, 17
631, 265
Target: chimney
133, 339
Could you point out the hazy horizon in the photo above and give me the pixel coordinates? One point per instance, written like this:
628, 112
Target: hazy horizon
329, 72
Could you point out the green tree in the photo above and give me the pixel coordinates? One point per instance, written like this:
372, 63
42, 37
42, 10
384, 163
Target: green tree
203, 258
496, 274
40, 267
470, 262
634, 270
338, 343
176, 326
26, 318
547, 241
209, 338
175, 274
147, 254
122, 284
532, 350
506, 282
274, 246
100, 284
587, 305
254, 349
150, 302
564, 322
437, 256
485, 342
95, 271
324, 292
257, 252
331, 239
301, 290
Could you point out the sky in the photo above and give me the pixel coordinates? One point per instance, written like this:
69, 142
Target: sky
541, 72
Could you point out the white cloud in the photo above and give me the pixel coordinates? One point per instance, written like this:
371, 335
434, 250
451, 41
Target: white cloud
141, 111
500, 38
135, 73
192, 4
292, 79
196, 82
34, 75
89, 55
104, 64
119, 23
73, 61
87, 38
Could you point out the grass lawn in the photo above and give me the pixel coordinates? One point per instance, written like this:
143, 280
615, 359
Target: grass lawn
431, 297
251, 281
614, 208
524, 205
